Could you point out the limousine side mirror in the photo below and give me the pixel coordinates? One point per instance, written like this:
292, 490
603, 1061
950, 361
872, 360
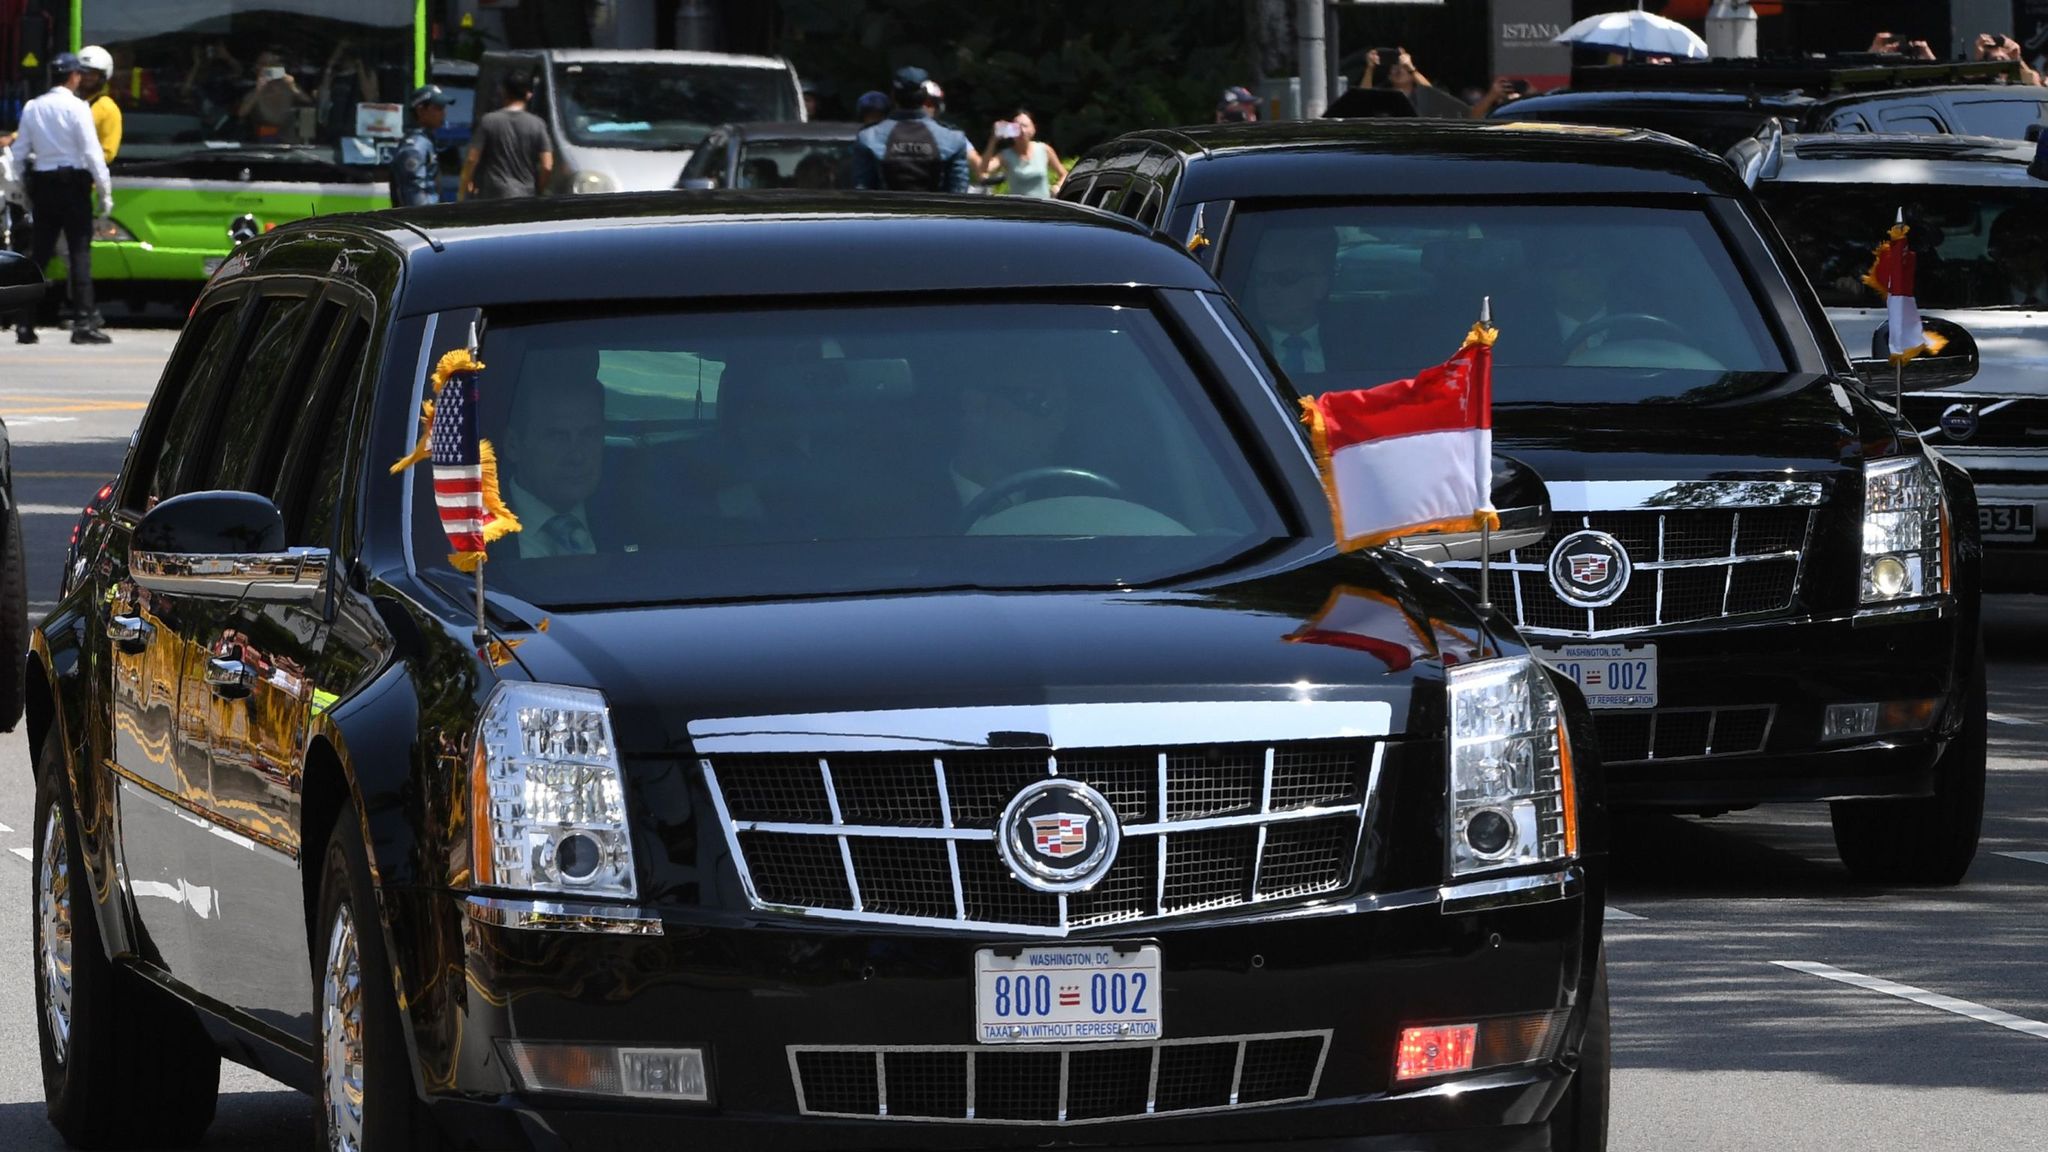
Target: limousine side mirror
21, 282
227, 544
1956, 363
1522, 500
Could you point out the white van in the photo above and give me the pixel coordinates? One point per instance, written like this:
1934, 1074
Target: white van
626, 120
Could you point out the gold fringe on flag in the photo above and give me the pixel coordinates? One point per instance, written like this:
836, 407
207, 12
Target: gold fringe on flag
1897, 235
499, 521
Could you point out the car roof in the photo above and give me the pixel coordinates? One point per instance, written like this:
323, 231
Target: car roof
648, 56
1604, 98
1894, 158
731, 244
1430, 157
792, 130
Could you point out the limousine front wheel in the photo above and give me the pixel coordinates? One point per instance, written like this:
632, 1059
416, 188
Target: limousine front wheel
123, 1064
366, 1101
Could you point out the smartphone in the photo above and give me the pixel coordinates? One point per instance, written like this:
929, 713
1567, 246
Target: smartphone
274, 72
1006, 130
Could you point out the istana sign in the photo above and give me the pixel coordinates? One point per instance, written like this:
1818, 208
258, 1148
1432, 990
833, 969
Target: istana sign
1522, 34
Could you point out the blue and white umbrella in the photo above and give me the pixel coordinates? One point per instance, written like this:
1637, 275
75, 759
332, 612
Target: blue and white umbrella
1640, 32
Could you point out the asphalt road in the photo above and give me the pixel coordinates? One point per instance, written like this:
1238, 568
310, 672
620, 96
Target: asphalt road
1762, 1001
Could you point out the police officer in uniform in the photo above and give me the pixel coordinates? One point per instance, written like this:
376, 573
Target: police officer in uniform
910, 151
416, 169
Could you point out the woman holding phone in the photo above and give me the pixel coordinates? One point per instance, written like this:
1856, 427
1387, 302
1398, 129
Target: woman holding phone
1028, 165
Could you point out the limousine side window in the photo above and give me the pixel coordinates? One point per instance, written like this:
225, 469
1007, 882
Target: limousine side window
245, 412
184, 400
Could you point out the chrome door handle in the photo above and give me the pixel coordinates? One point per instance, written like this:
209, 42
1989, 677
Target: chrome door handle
127, 631
229, 678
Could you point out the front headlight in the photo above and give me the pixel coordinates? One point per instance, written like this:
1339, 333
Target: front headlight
547, 797
593, 182
1904, 530
1512, 797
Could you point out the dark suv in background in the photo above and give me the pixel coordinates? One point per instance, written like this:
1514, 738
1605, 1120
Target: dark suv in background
1764, 581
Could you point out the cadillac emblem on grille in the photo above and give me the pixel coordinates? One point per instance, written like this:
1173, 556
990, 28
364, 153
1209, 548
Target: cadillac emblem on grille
1058, 835
1589, 569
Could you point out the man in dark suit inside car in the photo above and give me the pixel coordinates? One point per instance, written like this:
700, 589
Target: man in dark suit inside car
1287, 293
553, 458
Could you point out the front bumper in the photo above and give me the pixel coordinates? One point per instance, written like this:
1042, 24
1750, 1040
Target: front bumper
748, 990
1794, 670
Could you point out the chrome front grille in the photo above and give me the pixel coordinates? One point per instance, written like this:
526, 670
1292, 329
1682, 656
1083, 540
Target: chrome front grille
1058, 1084
910, 838
1987, 423
1657, 735
1690, 566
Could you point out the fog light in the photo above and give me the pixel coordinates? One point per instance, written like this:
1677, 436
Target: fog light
1435, 1051
1888, 576
1849, 722
602, 1070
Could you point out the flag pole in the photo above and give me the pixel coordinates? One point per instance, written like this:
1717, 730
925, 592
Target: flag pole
1485, 525
482, 635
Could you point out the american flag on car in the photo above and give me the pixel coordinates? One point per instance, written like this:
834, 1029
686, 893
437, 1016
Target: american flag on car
465, 467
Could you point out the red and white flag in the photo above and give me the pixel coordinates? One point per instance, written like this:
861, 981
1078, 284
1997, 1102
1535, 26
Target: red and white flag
1891, 273
1414, 456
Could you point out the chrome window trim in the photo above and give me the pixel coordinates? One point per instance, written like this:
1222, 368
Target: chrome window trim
880, 1052
412, 410
1114, 725
562, 916
1267, 385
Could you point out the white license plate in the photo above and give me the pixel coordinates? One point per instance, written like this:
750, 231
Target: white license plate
1611, 675
2009, 522
1066, 993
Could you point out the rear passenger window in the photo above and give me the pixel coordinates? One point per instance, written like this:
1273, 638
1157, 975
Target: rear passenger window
183, 406
1920, 121
270, 374
308, 491
1997, 116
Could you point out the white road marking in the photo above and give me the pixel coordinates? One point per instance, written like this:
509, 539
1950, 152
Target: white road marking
18, 421
24, 853
2030, 857
1614, 913
5, 828
2002, 718
51, 509
1974, 1011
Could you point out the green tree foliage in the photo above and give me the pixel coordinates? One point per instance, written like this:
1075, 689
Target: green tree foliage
1087, 70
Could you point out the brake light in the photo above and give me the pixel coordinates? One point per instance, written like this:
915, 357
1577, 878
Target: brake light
1435, 1051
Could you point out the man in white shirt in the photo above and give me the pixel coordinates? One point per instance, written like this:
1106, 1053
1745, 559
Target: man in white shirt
553, 453
60, 151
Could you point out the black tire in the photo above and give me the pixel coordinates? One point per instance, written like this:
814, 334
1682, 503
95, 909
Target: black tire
136, 1068
13, 621
1927, 840
1579, 1122
392, 1117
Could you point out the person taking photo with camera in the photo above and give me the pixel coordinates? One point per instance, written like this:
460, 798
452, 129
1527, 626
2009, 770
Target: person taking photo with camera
1027, 165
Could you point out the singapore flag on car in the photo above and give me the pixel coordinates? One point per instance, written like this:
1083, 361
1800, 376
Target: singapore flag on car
1891, 274
1414, 456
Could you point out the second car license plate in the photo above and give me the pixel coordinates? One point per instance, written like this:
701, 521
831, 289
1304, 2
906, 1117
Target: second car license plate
1065, 993
1611, 675
2010, 522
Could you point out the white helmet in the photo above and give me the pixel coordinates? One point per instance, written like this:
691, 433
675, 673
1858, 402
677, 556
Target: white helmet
94, 58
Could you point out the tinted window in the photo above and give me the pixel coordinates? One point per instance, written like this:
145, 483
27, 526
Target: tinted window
1978, 247
183, 406
2009, 117
664, 106
791, 163
245, 437
1604, 301
1920, 123
817, 451
309, 491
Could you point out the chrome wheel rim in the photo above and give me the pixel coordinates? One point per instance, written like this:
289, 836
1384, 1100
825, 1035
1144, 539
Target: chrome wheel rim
341, 1036
53, 909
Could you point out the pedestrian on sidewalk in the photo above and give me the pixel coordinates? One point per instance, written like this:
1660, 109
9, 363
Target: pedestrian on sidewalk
59, 150
1026, 165
510, 155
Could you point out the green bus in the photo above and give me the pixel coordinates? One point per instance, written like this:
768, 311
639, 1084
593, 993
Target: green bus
238, 116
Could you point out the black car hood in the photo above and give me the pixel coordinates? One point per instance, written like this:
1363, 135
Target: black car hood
1353, 628
1801, 423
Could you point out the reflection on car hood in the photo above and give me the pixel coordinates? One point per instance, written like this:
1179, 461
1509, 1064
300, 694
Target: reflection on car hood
1347, 629
2012, 345
1801, 423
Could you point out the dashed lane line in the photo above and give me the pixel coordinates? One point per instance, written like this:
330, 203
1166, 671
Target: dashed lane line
50, 509
2030, 857
1970, 1009
1615, 914
2020, 721
24, 853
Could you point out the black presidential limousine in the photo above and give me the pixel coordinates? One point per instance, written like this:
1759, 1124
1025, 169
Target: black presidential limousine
1765, 582
923, 707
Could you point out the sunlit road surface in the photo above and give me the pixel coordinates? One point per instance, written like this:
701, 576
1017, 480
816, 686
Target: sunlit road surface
1762, 1000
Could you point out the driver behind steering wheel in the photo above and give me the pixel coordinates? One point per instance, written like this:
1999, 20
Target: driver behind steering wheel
1011, 422
1581, 287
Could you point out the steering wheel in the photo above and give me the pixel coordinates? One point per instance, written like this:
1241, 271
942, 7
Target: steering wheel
1017, 483
1639, 324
